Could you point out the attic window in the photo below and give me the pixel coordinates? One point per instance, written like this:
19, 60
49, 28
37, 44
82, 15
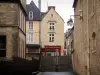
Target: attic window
30, 15
52, 15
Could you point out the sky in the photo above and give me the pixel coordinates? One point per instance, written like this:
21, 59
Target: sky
63, 7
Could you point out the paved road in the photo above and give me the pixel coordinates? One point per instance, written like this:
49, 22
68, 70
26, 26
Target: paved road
55, 73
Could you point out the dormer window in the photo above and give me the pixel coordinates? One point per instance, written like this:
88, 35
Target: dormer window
30, 15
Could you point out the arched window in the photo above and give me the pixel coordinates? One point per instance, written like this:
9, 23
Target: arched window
93, 41
30, 15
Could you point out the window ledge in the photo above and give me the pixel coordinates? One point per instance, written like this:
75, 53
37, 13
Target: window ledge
51, 29
51, 32
30, 29
3, 59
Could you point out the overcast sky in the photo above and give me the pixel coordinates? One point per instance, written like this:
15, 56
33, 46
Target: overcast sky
63, 7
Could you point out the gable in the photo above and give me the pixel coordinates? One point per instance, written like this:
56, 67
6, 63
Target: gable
52, 15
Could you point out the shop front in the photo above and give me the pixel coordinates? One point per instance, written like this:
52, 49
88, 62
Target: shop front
52, 51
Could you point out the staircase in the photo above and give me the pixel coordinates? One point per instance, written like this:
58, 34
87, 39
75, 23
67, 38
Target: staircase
52, 64
47, 64
65, 64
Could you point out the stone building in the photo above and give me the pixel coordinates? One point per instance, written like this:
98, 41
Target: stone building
32, 31
12, 29
52, 32
86, 53
69, 40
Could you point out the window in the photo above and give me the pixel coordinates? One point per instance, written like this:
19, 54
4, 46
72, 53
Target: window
2, 46
93, 42
30, 37
52, 15
30, 15
24, 24
51, 26
51, 37
30, 25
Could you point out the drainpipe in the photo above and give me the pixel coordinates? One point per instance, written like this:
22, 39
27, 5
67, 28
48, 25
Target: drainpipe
40, 50
40, 24
88, 57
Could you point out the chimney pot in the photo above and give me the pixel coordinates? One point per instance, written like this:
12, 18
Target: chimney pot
49, 7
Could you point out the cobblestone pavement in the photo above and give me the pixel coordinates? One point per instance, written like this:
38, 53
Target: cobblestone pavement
55, 73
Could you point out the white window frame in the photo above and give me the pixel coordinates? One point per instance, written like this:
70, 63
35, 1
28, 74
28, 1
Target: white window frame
30, 25
52, 26
30, 37
31, 15
51, 37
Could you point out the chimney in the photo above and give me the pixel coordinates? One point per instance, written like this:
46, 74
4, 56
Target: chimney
49, 7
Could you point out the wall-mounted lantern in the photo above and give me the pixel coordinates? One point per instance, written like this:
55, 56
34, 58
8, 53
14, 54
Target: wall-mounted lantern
70, 22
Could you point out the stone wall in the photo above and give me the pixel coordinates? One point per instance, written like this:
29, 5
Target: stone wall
12, 40
94, 27
8, 14
10, 22
86, 38
81, 45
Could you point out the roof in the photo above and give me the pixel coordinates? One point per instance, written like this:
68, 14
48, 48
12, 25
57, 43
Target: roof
75, 3
36, 12
33, 45
43, 14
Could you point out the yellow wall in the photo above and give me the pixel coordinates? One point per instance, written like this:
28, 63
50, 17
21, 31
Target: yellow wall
59, 29
35, 32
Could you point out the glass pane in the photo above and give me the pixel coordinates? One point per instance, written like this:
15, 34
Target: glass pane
48, 54
30, 15
30, 25
52, 34
2, 46
2, 53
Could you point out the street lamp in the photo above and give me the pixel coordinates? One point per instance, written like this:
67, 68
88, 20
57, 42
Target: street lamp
70, 22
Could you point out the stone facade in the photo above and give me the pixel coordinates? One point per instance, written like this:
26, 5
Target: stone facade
86, 45
52, 17
12, 25
69, 40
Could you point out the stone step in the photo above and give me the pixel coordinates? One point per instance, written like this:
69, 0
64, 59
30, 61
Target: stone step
64, 63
